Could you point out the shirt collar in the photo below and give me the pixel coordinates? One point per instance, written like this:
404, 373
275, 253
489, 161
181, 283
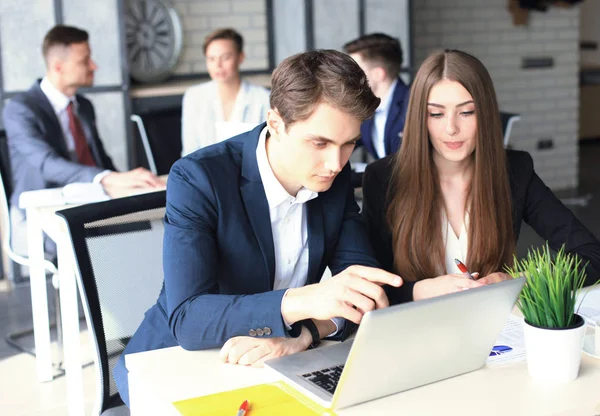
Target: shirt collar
58, 100
384, 105
275, 192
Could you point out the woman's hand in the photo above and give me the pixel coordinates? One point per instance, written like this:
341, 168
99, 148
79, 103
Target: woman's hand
442, 285
495, 278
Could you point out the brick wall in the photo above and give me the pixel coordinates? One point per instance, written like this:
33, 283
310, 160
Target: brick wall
200, 17
547, 99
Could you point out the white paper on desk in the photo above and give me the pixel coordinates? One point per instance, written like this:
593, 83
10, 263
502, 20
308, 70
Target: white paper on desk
511, 336
589, 309
227, 129
83, 193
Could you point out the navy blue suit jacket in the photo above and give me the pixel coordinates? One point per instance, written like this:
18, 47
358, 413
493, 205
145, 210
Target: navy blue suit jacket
394, 124
218, 254
38, 150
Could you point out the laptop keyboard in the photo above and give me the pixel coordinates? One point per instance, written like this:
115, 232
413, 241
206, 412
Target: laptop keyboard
327, 378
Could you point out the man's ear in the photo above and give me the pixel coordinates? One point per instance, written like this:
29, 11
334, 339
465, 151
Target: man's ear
241, 58
275, 123
378, 73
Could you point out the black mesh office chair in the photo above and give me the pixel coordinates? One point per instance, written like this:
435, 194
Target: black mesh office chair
159, 133
508, 119
118, 254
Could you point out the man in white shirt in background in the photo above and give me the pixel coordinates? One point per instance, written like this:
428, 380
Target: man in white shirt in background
51, 130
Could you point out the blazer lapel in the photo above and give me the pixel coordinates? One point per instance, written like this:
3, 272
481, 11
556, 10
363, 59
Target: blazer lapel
366, 130
394, 116
55, 134
316, 238
256, 204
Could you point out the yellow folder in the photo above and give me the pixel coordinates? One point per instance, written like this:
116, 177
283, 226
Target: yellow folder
272, 399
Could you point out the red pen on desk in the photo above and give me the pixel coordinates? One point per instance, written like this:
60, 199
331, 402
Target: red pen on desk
463, 269
243, 408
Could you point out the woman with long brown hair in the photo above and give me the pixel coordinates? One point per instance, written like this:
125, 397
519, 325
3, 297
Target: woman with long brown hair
453, 192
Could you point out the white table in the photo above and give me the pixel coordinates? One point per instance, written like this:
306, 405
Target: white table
158, 378
41, 207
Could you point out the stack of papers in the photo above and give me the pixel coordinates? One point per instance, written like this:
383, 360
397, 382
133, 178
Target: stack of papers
510, 345
588, 306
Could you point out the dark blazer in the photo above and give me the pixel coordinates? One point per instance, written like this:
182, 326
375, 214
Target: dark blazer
38, 151
218, 254
394, 124
532, 202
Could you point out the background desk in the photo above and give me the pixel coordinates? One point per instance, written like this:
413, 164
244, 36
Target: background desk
158, 378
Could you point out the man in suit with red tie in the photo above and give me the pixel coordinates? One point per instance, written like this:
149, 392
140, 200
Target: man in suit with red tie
51, 130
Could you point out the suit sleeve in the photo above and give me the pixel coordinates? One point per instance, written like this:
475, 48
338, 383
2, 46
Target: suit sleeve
555, 223
352, 246
379, 235
107, 162
199, 316
27, 142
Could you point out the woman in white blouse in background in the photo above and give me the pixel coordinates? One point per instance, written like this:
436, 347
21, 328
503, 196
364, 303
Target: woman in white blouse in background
226, 99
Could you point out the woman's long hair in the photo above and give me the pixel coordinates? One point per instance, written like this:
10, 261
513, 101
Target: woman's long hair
416, 201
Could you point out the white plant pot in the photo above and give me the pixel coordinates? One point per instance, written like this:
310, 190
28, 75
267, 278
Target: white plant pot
554, 354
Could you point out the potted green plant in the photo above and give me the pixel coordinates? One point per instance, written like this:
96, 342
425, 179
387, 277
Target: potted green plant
553, 332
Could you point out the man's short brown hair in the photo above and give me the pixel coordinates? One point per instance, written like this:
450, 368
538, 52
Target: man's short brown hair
378, 49
61, 35
303, 81
227, 33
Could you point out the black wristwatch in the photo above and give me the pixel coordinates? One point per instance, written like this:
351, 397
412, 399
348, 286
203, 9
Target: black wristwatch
314, 332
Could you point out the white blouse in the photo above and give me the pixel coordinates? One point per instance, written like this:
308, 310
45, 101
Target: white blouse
456, 247
202, 111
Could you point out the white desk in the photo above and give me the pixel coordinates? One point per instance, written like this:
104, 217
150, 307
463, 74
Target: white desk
41, 207
158, 378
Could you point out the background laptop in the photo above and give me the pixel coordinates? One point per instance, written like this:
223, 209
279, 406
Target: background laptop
404, 346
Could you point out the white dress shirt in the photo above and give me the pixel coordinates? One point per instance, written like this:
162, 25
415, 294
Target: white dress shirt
59, 103
379, 120
202, 110
288, 225
456, 247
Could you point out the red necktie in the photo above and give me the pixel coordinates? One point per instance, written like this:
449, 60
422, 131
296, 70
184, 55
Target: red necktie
82, 149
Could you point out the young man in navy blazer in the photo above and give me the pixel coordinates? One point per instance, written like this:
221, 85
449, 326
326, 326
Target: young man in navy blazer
252, 223
380, 56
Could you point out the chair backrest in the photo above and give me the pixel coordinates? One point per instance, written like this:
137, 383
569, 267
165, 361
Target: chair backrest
5, 171
118, 252
508, 119
163, 131
5, 191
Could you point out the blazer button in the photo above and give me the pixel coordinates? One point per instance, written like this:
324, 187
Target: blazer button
252, 333
267, 330
259, 332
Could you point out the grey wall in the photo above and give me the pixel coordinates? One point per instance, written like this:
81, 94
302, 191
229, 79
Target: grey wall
547, 98
200, 17
335, 23
289, 21
21, 48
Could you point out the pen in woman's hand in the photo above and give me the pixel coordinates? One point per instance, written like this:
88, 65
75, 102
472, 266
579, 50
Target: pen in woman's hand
463, 269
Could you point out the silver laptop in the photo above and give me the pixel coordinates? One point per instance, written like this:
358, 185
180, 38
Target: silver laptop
404, 346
